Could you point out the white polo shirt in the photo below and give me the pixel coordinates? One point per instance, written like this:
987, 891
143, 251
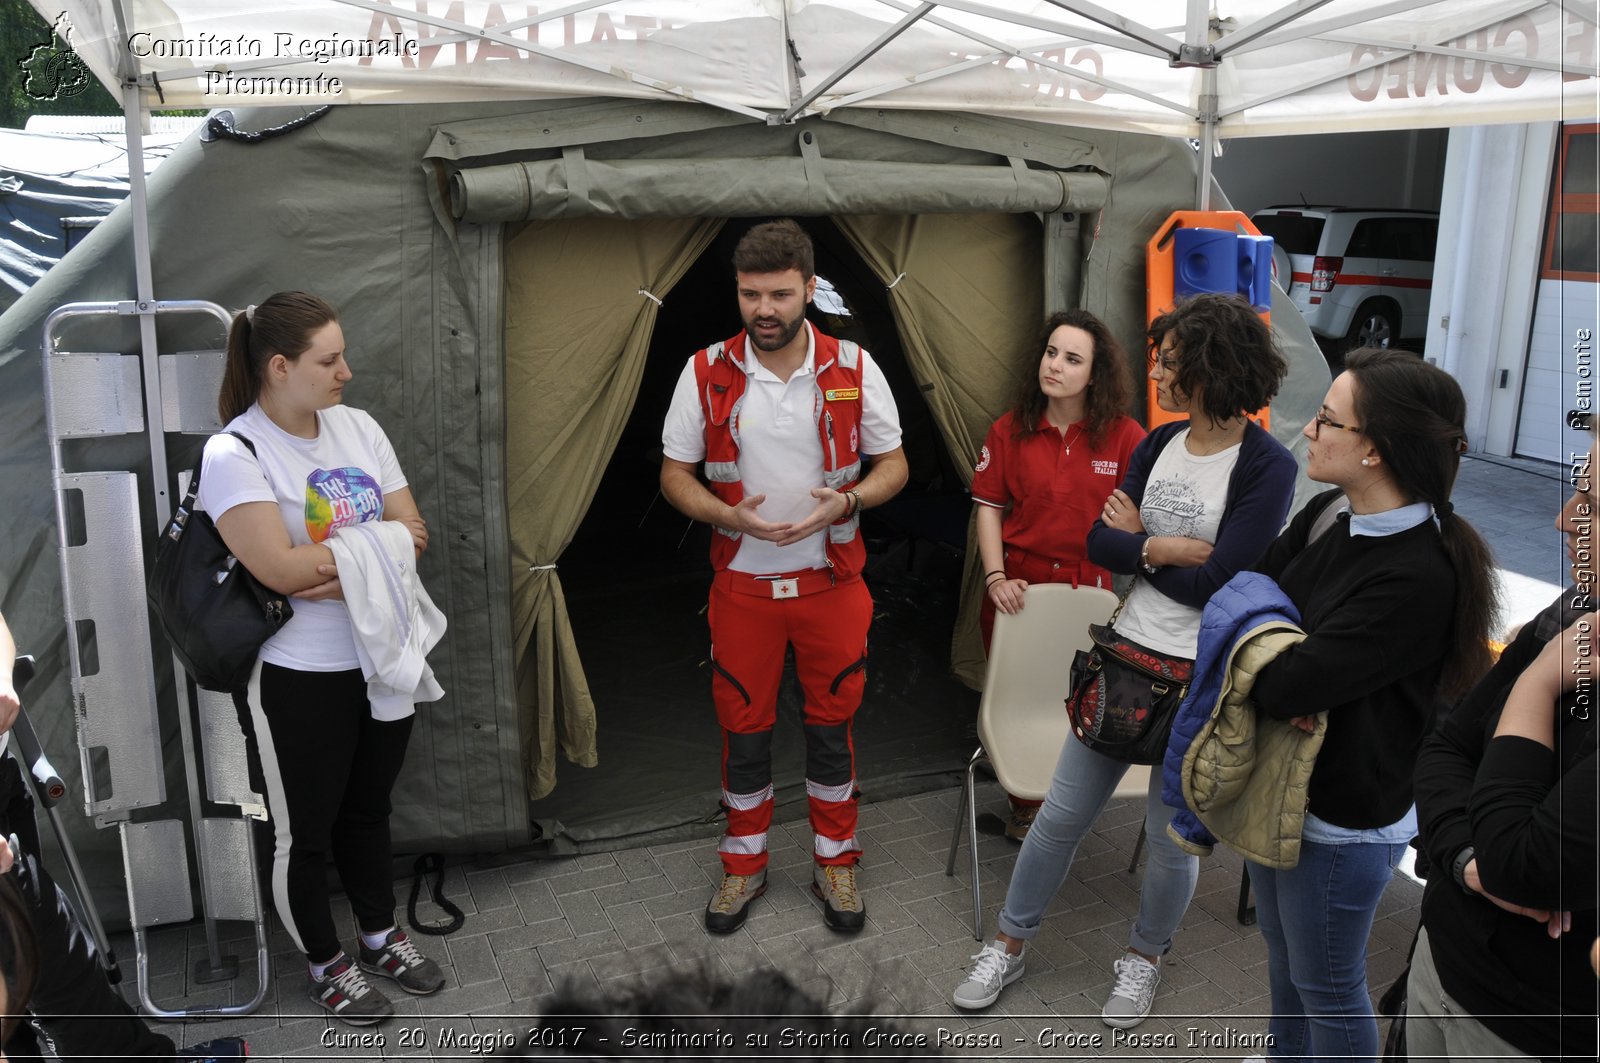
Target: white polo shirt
780, 453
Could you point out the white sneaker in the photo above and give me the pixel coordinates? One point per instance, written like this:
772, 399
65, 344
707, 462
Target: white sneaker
1132, 993
993, 971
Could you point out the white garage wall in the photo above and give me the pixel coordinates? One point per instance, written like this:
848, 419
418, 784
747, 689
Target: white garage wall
1561, 369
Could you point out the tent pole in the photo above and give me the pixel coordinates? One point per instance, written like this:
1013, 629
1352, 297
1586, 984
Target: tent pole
214, 966
1208, 135
144, 295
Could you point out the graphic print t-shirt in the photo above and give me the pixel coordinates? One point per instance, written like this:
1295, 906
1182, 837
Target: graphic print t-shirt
1184, 495
319, 485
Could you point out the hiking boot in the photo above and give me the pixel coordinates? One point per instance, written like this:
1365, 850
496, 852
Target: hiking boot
1132, 993
403, 962
835, 886
216, 1051
1021, 819
343, 991
731, 903
993, 970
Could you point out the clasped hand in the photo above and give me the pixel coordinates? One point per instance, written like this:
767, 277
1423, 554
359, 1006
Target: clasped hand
831, 505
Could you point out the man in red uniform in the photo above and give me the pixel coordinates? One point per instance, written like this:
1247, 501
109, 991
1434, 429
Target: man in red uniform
782, 417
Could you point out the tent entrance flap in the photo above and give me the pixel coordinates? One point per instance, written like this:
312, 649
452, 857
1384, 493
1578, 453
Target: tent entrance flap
636, 576
572, 371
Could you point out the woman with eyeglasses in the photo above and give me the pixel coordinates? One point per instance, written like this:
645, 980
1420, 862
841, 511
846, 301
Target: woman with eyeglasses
1396, 599
1202, 498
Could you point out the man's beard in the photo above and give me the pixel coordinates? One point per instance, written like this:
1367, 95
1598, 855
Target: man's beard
786, 334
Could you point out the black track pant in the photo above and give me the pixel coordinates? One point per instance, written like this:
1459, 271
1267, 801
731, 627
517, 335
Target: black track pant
76, 1012
326, 768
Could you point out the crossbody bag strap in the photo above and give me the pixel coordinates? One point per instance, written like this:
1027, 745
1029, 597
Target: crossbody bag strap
194, 484
1112, 623
1325, 519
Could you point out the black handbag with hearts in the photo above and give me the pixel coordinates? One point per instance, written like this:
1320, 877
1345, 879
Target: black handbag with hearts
214, 613
1125, 696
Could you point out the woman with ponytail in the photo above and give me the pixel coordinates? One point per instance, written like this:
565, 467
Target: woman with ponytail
324, 755
1396, 598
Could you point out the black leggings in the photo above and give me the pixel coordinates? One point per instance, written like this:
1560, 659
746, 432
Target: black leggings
326, 768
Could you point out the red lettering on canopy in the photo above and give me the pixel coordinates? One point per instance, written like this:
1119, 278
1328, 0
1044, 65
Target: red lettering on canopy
1417, 73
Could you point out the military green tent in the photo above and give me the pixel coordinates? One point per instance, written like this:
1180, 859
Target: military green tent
520, 284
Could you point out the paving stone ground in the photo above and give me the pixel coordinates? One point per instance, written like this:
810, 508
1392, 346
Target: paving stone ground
609, 918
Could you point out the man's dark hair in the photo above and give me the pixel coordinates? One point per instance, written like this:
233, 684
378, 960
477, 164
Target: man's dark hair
773, 247
1225, 352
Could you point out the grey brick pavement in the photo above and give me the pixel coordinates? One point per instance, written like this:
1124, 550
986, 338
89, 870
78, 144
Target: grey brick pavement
532, 925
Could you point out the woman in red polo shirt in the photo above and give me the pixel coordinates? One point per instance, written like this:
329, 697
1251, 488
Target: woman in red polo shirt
1046, 470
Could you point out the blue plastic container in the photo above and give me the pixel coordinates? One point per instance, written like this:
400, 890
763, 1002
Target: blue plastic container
1205, 260
1255, 270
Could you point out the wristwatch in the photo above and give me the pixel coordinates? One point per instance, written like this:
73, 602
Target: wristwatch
1458, 867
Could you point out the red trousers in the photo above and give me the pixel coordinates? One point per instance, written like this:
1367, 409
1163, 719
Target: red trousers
753, 622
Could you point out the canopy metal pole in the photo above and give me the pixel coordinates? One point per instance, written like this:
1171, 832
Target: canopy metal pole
214, 965
850, 64
1208, 134
144, 296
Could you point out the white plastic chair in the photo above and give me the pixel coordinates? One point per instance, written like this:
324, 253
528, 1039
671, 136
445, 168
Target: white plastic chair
1022, 719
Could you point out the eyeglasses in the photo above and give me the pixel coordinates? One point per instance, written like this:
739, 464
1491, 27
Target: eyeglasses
1323, 419
1167, 362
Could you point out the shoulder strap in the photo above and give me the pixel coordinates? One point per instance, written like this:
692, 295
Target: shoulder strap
194, 484
241, 437
1325, 519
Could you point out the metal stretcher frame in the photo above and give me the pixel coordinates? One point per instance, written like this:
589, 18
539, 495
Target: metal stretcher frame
116, 705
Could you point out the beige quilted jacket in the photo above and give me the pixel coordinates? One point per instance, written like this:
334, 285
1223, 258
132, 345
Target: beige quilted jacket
1245, 775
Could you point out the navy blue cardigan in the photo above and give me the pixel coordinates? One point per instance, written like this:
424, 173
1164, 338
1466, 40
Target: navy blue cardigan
1260, 492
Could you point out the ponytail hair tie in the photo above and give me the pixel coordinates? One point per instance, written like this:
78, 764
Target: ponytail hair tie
1443, 509
250, 313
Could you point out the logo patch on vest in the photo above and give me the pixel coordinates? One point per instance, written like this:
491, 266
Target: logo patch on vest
983, 461
842, 394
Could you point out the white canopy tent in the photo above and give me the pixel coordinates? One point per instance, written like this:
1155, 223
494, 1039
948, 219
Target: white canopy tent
1174, 67
1203, 69
1170, 69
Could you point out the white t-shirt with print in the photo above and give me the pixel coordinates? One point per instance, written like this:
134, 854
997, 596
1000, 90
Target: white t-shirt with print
339, 478
780, 453
1184, 495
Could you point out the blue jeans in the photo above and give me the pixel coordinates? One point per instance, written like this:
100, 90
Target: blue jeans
1083, 783
1315, 918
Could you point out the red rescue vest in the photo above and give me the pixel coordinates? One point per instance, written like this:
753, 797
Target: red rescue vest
721, 380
